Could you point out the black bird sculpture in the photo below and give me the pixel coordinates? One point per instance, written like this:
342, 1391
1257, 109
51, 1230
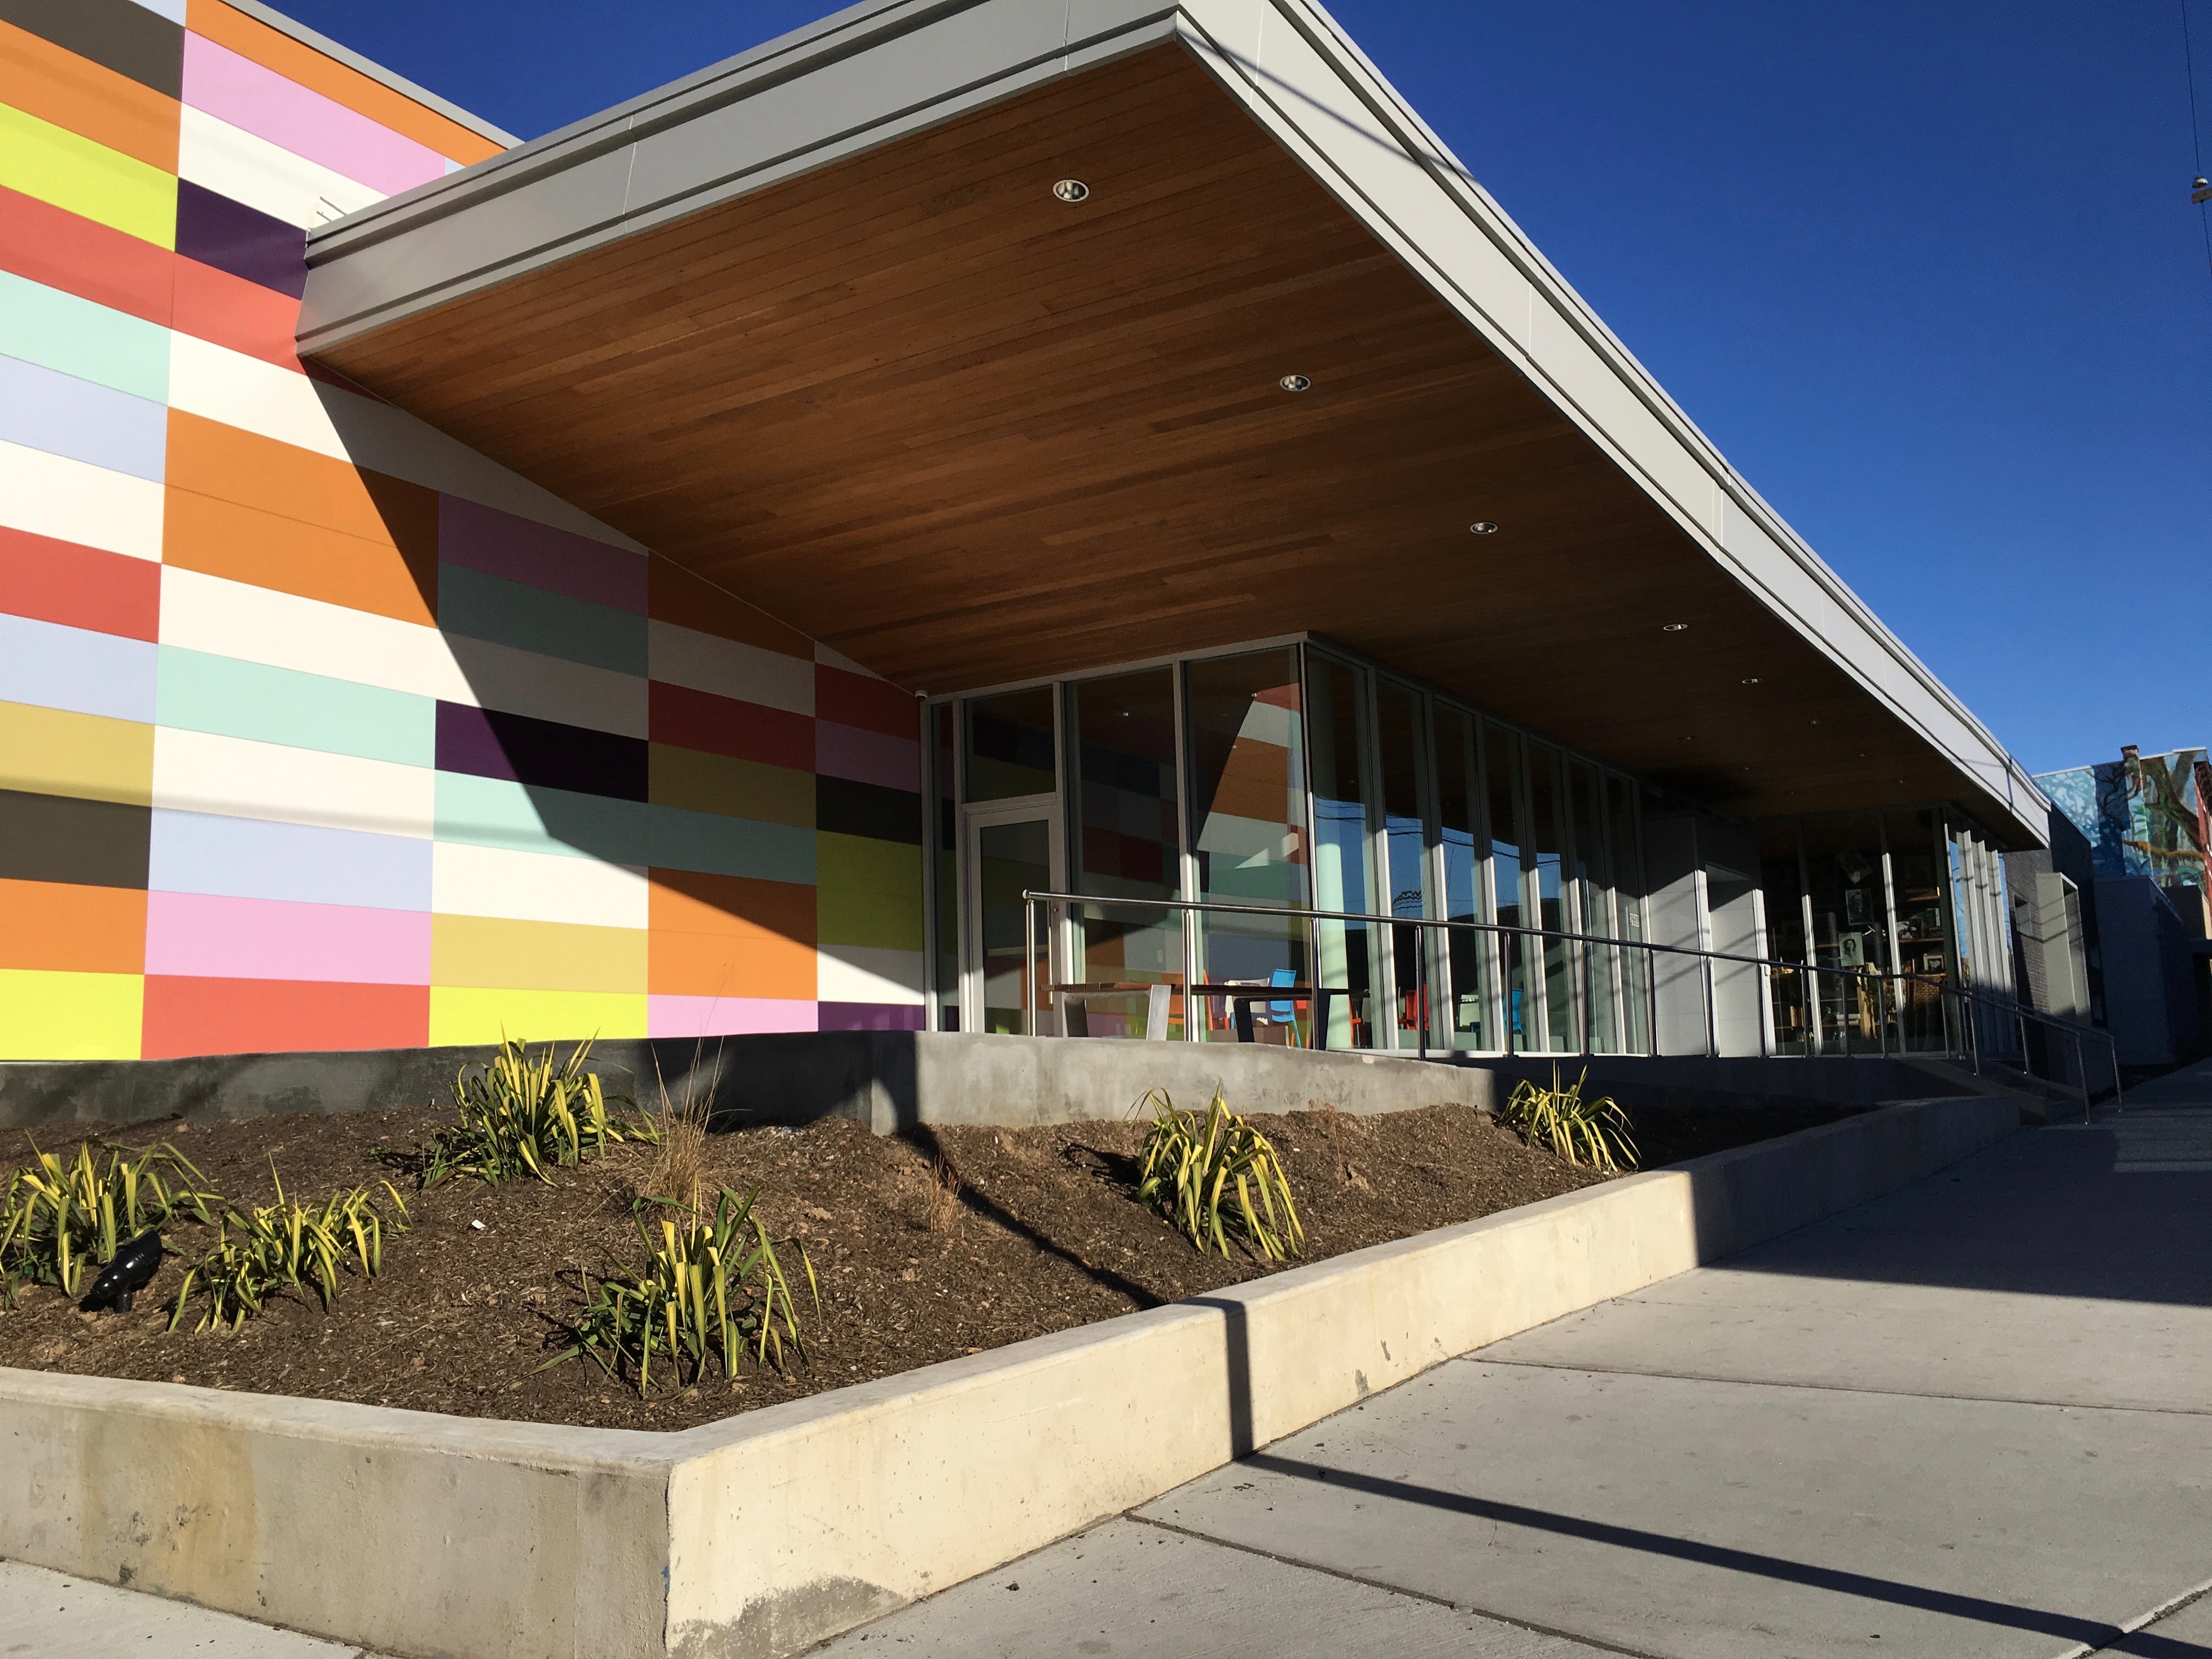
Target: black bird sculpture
132, 1272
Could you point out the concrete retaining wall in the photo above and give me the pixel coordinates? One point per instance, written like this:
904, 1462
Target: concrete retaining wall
891, 1080
423, 1536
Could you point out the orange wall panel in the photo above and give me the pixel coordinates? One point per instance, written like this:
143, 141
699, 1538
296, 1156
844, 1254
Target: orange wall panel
63, 928
248, 545
213, 305
269, 1016
95, 102
249, 38
727, 936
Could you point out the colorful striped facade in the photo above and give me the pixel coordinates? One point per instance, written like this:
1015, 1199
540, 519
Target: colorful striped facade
318, 731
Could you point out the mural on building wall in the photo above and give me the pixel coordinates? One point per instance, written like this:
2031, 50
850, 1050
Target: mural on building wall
2143, 815
317, 729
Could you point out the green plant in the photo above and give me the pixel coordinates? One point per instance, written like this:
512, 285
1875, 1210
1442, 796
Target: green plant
61, 1220
1191, 1168
261, 1251
1581, 1129
522, 1114
710, 1290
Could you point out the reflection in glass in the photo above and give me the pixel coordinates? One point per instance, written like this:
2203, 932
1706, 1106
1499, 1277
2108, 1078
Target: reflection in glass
1127, 841
1010, 859
1790, 994
1248, 815
1405, 842
1923, 941
1459, 806
1594, 905
1547, 845
1628, 896
944, 817
1009, 746
1850, 932
1343, 849
1502, 770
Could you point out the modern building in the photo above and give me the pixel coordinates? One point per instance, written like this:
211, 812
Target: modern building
692, 573
2141, 826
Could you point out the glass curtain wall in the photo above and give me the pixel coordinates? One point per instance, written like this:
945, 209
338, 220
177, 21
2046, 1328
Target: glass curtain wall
1626, 841
1513, 953
1126, 840
1401, 753
1290, 777
1552, 901
1467, 953
1593, 872
1344, 848
1246, 719
945, 892
1862, 897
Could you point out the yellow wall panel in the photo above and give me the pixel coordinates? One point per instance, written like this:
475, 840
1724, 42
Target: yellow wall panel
78, 176
462, 1014
494, 953
52, 751
48, 1015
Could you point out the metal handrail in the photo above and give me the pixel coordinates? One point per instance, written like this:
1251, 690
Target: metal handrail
1972, 999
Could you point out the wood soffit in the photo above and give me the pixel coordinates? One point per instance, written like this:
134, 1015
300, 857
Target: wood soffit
965, 434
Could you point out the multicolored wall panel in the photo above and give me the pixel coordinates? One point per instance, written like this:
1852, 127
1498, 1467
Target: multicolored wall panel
318, 730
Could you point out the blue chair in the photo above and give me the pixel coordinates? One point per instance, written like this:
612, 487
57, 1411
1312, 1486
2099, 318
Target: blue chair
1284, 1013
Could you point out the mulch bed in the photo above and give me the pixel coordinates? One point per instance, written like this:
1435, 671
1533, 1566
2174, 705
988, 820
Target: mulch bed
1045, 1235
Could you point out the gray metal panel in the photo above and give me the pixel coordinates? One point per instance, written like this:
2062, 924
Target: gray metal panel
879, 72
354, 60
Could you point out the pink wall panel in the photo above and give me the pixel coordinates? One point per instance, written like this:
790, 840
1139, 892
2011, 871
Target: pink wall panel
692, 1017
206, 936
845, 752
264, 103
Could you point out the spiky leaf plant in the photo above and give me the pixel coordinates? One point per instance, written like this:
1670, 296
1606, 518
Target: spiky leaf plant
526, 1115
1217, 1177
1581, 1128
709, 1292
61, 1220
271, 1248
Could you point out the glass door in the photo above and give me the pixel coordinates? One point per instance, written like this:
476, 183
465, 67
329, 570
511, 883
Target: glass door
1011, 846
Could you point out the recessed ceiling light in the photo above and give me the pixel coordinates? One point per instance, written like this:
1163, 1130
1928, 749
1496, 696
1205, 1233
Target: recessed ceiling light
1294, 383
1070, 190
1482, 527
1672, 628
1812, 722
1754, 680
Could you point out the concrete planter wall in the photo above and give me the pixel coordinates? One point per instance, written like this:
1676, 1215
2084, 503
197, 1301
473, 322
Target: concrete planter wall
424, 1535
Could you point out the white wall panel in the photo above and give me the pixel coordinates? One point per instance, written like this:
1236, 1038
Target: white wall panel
551, 687
73, 502
260, 624
857, 973
496, 881
727, 669
270, 179
218, 384
237, 777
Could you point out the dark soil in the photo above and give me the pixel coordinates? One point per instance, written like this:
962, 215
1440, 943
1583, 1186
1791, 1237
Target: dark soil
1044, 1235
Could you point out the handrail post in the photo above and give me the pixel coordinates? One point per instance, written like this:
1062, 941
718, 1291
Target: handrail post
1029, 953
1713, 1015
2081, 1071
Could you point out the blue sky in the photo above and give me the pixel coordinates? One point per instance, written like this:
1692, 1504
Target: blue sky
1928, 274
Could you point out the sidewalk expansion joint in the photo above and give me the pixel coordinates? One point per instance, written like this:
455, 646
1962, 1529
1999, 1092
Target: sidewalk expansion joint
1469, 1608
1838, 1388
2164, 1610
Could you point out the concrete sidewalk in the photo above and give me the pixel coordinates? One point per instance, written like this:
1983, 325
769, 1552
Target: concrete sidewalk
1974, 1417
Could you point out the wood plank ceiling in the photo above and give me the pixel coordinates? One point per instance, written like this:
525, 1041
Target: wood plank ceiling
964, 432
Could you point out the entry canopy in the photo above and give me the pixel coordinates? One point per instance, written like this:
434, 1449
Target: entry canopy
821, 325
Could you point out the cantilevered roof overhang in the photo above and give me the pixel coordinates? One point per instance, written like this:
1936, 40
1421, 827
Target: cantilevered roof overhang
813, 324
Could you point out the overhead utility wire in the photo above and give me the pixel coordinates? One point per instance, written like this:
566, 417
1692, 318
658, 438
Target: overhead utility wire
2200, 192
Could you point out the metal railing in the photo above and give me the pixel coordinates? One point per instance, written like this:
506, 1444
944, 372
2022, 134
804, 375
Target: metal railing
1971, 1016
